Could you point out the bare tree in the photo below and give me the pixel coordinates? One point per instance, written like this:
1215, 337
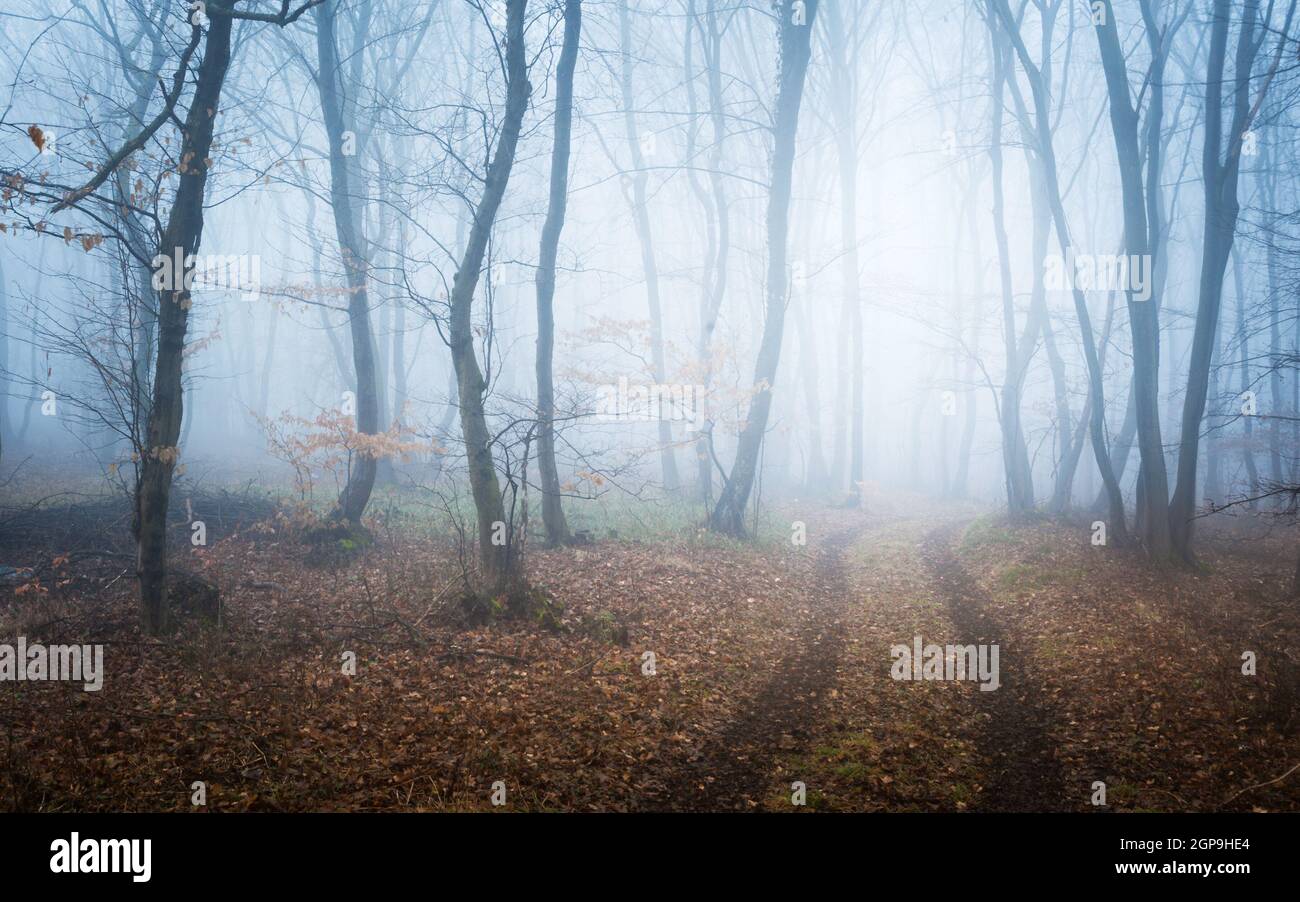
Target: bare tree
1051, 185
497, 564
557, 529
794, 26
180, 238
1015, 454
1220, 170
649, 263
352, 247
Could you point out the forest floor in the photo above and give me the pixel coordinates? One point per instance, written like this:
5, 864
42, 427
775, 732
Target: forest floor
771, 667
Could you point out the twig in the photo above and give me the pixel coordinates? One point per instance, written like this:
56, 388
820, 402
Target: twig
1260, 785
589, 666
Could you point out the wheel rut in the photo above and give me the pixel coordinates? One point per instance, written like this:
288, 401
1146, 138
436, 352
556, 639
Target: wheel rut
733, 771
1017, 738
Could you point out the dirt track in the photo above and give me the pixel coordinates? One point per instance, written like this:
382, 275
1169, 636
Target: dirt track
734, 771
1026, 774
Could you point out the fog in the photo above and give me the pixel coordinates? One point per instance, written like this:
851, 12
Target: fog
895, 365
636, 405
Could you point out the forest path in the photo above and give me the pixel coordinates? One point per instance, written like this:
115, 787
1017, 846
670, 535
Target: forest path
733, 772
1016, 738
831, 693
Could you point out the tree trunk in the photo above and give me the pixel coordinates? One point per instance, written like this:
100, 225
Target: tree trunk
1051, 186
1050, 189
1277, 400
649, 265
1211, 425
1042, 213
557, 530
268, 360
496, 561
1064, 491
815, 480
976, 298
355, 253
1015, 455
181, 237
32, 370
1221, 209
795, 27
846, 149
1143, 321
1243, 368
718, 227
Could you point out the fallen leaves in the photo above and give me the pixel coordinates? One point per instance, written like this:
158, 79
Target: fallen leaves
770, 668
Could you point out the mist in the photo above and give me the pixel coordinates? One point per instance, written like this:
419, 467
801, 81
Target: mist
879, 342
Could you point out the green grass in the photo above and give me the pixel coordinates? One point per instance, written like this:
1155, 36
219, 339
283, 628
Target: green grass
1038, 575
1020, 577
621, 517
852, 756
987, 531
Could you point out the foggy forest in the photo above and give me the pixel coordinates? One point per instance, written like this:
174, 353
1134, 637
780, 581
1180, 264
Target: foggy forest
649, 406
